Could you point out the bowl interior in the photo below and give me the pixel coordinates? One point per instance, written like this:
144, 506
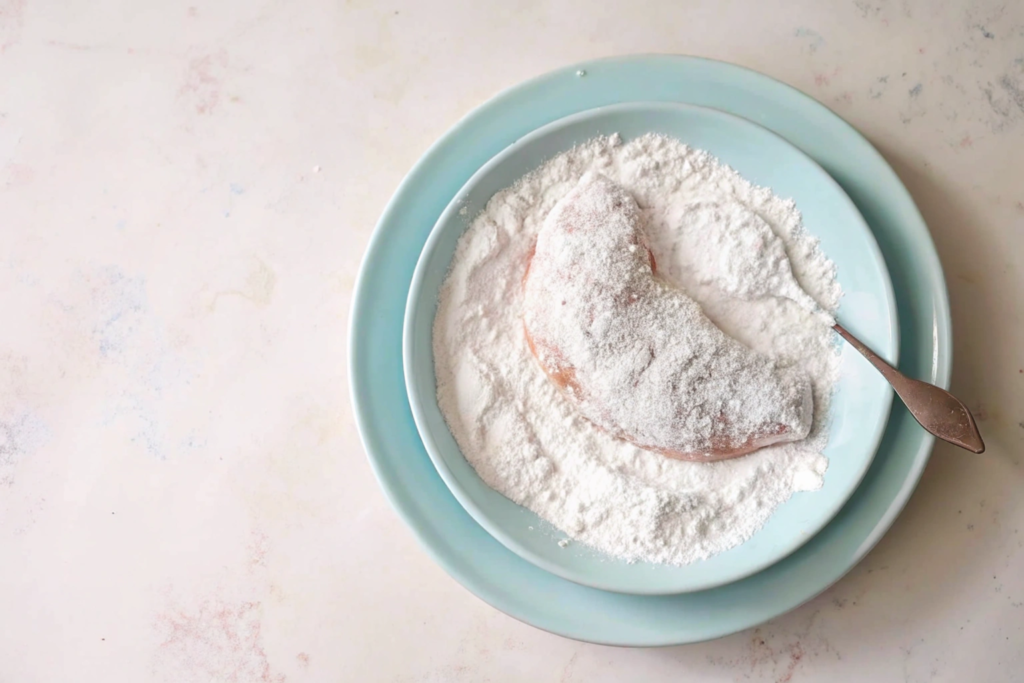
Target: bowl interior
859, 408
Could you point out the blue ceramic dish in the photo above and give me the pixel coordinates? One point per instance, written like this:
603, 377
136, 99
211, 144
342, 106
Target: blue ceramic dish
464, 548
859, 408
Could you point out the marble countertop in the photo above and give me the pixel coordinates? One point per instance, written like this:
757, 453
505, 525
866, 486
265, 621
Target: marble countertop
186, 190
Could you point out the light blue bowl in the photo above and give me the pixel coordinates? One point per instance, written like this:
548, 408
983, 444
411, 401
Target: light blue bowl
859, 408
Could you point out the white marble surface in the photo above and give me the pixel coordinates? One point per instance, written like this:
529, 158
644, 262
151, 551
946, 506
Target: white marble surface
186, 190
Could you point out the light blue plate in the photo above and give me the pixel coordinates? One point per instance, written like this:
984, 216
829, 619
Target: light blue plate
858, 411
464, 548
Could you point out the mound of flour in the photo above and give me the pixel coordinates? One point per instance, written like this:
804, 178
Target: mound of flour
738, 250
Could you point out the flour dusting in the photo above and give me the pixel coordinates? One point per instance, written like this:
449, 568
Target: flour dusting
634, 353
739, 251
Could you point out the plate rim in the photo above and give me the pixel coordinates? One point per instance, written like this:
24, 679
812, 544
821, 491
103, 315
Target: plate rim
466, 499
935, 368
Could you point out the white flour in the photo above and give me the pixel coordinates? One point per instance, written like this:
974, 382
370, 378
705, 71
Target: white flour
725, 242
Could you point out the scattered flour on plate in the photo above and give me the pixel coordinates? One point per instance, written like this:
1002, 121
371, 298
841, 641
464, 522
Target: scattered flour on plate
739, 251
